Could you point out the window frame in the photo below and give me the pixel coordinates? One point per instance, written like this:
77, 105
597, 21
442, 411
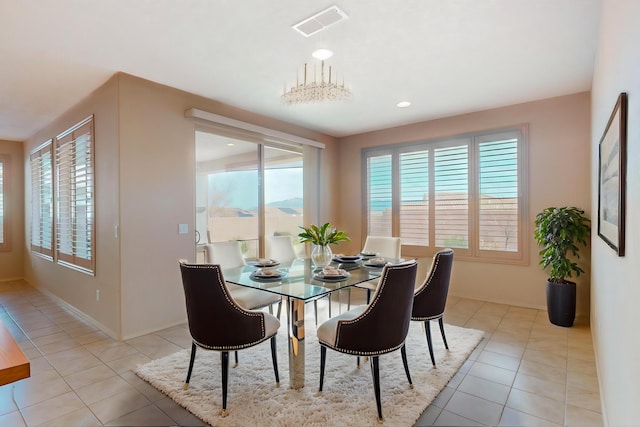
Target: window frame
474, 139
36, 156
72, 258
5, 189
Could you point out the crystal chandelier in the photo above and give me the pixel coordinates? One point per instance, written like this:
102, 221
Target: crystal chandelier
307, 92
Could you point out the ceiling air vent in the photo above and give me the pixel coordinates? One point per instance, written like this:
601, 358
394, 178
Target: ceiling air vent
320, 21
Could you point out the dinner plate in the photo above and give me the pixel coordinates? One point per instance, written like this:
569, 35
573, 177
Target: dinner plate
369, 254
267, 277
331, 278
348, 258
375, 264
266, 263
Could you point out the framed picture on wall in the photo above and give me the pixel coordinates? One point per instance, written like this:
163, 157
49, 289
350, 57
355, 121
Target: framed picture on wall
612, 174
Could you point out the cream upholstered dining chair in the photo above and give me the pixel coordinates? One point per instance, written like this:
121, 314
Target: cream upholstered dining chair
383, 246
229, 255
378, 328
430, 298
280, 248
217, 322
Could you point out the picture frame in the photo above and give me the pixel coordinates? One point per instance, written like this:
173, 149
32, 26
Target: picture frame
612, 172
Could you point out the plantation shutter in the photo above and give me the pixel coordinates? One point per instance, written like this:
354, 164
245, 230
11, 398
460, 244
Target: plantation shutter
379, 195
414, 198
75, 196
451, 176
41, 162
498, 212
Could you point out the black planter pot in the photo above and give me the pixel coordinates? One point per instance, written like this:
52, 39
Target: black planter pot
561, 303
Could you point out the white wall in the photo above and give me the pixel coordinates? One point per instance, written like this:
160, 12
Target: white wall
615, 286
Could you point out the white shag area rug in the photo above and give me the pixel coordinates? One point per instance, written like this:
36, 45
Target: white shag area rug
347, 399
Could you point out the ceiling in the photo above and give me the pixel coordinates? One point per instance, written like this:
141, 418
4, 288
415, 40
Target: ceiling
446, 56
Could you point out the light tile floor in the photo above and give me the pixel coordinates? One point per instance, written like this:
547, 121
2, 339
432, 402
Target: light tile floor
525, 372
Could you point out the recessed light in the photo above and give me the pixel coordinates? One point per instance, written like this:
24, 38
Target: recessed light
322, 54
230, 144
403, 104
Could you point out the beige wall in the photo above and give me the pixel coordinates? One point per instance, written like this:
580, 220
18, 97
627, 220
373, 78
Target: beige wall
559, 173
12, 261
73, 287
145, 187
615, 285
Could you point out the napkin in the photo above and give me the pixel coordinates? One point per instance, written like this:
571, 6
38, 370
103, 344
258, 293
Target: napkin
332, 271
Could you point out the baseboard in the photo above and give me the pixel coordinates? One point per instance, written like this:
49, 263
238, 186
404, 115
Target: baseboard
12, 279
83, 315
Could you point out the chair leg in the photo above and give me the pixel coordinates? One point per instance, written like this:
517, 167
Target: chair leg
403, 351
279, 308
348, 299
191, 360
368, 295
224, 358
444, 338
323, 359
358, 361
427, 330
375, 371
270, 308
274, 357
235, 355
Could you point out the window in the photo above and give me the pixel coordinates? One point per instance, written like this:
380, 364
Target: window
466, 192
41, 161
74, 211
5, 232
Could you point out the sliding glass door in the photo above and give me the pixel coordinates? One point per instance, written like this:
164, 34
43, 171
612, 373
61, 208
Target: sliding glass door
283, 194
246, 190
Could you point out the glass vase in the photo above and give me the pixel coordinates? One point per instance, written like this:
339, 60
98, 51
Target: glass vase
321, 256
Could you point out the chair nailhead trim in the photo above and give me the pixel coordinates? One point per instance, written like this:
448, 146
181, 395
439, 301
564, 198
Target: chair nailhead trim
365, 313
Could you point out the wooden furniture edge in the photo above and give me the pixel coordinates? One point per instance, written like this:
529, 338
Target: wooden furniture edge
14, 365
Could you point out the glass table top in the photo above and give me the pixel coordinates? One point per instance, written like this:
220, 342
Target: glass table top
299, 279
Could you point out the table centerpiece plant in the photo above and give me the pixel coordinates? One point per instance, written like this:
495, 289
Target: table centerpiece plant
321, 237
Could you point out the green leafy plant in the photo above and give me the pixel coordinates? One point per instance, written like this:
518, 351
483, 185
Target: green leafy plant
323, 235
559, 231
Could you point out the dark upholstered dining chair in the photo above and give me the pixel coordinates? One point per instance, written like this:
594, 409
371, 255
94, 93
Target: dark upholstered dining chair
383, 246
431, 297
377, 328
217, 322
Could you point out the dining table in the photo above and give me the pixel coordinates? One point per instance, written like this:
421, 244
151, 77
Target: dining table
299, 281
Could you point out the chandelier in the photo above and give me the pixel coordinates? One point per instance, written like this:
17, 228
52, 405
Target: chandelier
316, 91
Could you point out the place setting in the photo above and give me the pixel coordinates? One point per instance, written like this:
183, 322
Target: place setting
340, 258
332, 274
377, 262
267, 275
368, 254
265, 262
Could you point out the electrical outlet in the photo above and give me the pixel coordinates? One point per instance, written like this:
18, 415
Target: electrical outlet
97, 294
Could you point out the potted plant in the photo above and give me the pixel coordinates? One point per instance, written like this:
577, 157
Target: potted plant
322, 237
559, 231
